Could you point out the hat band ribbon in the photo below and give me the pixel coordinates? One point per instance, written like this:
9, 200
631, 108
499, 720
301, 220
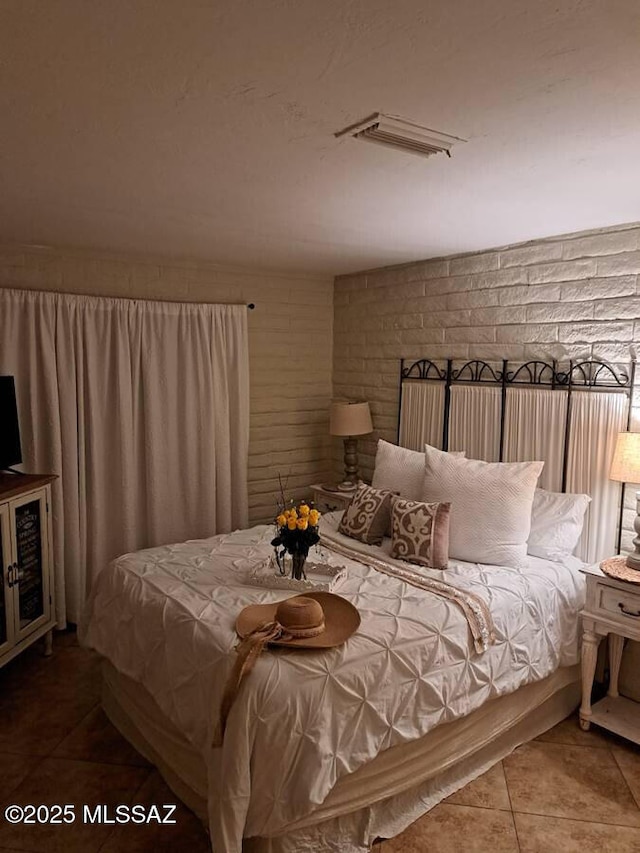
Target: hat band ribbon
249, 650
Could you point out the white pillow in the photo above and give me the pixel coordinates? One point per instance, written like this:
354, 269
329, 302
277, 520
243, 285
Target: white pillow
400, 470
490, 506
556, 524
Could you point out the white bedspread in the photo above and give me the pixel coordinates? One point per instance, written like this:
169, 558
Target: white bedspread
165, 618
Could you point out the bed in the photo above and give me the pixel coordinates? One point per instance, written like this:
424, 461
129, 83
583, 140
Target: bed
329, 751
449, 670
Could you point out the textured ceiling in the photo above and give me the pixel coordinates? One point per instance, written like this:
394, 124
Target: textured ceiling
205, 129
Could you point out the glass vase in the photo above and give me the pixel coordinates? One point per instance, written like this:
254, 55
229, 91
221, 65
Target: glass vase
291, 564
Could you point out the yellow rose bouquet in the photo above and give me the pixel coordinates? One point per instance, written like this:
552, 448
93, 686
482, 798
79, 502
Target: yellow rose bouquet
297, 528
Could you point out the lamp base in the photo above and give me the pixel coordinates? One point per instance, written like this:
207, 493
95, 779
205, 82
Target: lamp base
633, 562
351, 474
347, 486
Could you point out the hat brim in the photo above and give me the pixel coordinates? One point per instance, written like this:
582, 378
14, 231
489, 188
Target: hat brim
341, 620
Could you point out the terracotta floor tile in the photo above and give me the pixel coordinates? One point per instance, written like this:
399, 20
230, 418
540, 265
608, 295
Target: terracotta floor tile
43, 699
569, 732
70, 662
63, 639
36, 727
31, 675
488, 791
575, 782
538, 834
96, 739
451, 829
13, 769
628, 760
66, 668
569, 787
15, 850
186, 834
60, 781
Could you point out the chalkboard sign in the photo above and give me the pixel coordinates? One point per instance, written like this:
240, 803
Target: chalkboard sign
29, 548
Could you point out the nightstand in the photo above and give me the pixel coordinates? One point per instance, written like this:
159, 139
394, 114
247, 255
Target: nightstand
612, 608
326, 500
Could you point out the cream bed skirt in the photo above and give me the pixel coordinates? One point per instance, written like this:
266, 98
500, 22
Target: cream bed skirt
378, 800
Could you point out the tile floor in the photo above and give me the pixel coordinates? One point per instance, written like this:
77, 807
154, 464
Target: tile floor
569, 791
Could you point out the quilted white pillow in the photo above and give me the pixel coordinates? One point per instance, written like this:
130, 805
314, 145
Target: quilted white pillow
400, 470
556, 524
490, 506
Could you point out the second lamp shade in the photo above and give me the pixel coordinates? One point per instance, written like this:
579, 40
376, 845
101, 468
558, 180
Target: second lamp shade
350, 419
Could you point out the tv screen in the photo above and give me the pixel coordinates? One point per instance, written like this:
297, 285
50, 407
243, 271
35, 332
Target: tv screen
10, 452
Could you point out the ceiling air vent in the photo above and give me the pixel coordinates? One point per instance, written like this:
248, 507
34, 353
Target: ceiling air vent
400, 133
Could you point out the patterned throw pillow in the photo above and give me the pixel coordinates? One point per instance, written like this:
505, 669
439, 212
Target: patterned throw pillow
420, 532
367, 516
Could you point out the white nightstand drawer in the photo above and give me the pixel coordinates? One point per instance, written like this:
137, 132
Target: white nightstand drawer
618, 602
612, 609
327, 500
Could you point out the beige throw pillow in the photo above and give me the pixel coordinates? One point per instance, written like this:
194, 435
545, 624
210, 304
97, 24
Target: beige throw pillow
420, 532
367, 516
490, 506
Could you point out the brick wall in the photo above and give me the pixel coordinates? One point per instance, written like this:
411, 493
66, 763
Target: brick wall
575, 295
290, 342
566, 297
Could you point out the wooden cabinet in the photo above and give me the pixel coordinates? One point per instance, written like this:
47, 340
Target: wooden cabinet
612, 609
26, 565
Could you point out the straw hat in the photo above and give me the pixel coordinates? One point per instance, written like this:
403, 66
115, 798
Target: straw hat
317, 620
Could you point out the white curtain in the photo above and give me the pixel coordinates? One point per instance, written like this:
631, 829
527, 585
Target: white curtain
596, 419
534, 424
421, 415
474, 423
142, 409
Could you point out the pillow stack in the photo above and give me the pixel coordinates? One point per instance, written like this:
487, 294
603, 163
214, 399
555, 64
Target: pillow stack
437, 505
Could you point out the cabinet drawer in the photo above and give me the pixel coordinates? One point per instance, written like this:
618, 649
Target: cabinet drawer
623, 604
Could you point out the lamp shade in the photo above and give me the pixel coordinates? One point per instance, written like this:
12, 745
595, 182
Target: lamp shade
350, 419
625, 467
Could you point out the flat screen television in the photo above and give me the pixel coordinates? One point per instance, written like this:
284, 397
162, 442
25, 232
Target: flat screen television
10, 451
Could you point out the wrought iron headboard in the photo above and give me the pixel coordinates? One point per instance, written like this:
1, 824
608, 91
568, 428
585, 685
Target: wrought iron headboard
587, 375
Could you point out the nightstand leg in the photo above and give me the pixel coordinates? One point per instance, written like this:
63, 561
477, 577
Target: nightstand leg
590, 643
616, 645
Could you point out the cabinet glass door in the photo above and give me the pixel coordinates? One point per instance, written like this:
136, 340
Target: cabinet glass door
6, 596
32, 604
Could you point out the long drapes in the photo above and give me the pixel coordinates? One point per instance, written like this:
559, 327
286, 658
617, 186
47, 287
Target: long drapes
142, 409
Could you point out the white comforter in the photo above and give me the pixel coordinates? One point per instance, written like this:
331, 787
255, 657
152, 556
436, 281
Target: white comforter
165, 618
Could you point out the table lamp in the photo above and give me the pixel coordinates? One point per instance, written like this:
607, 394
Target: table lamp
625, 468
349, 420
